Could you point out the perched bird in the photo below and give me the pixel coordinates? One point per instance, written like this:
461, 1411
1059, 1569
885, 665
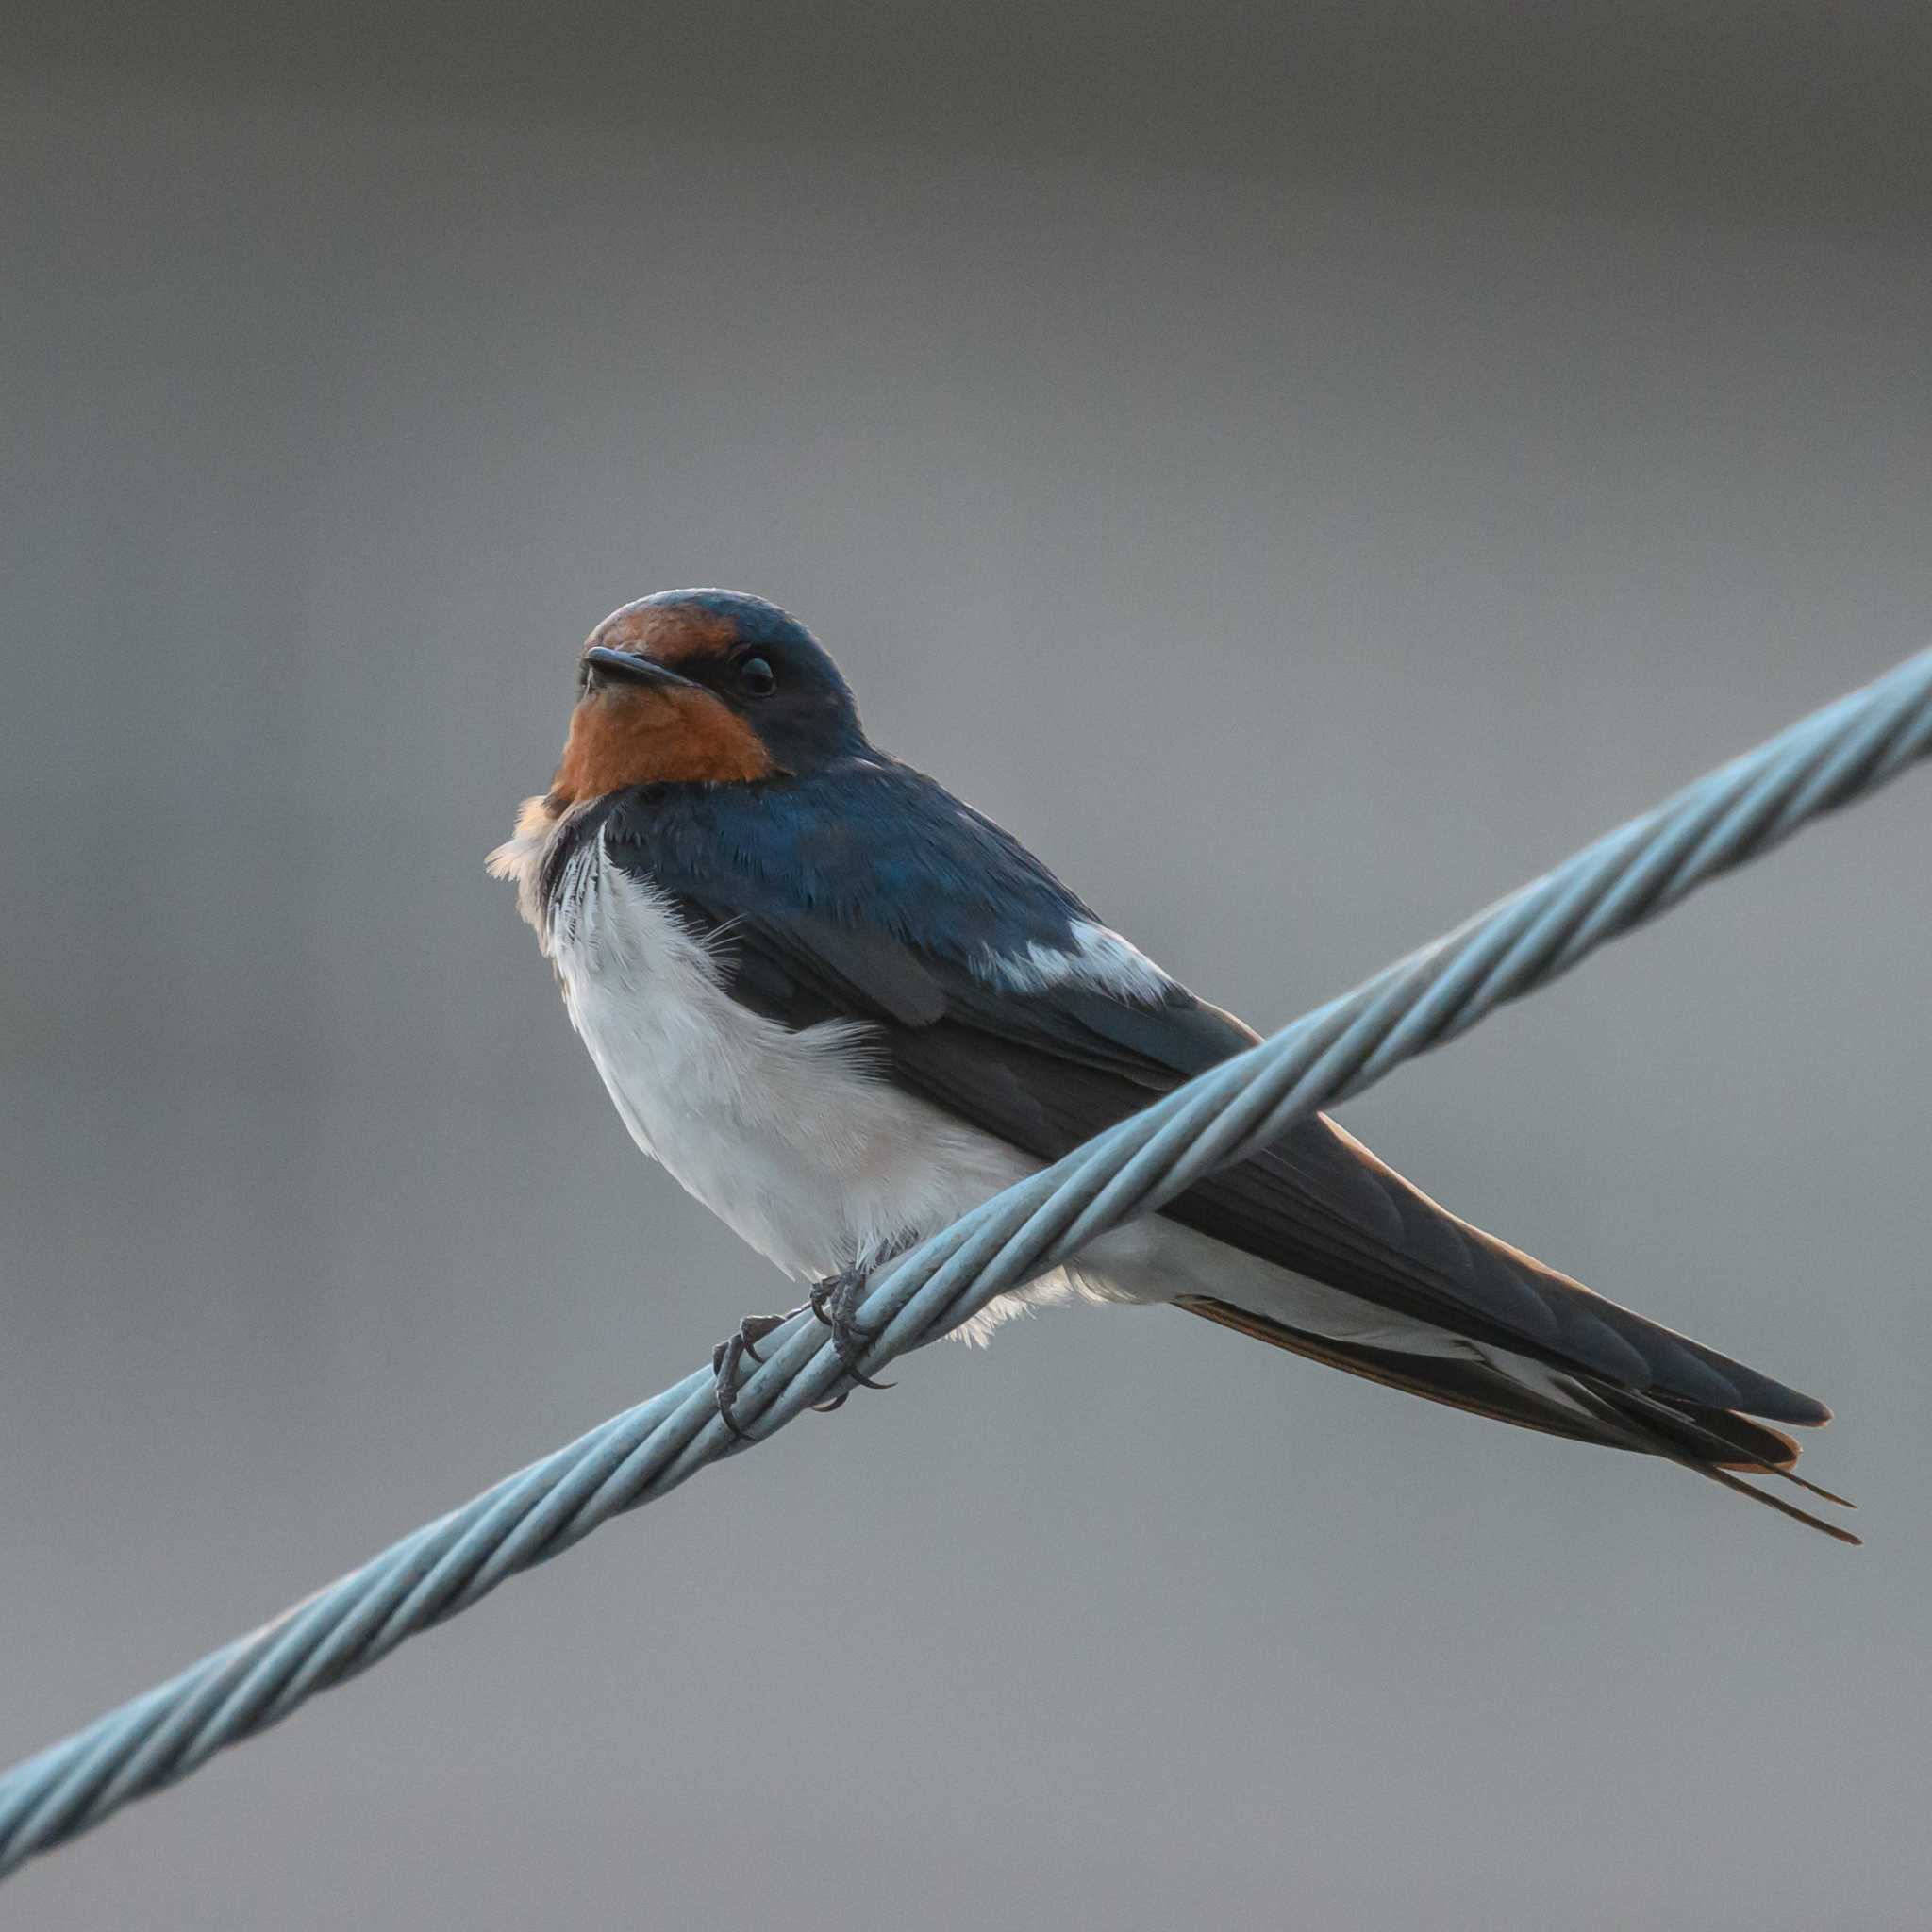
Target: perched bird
843, 1007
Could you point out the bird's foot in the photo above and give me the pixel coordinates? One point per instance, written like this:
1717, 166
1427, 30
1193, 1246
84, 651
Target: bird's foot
835, 1301
730, 1356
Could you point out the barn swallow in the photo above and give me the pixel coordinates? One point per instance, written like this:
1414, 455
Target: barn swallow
843, 1007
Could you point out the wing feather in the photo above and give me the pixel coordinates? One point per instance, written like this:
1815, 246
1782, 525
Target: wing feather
965, 1017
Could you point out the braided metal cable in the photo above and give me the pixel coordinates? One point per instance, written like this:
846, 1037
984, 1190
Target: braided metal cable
1841, 753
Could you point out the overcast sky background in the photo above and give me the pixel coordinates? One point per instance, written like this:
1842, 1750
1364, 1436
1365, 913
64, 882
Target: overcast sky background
1303, 477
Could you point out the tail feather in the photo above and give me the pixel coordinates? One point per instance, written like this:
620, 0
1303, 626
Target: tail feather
1818, 1489
1779, 1503
1719, 1444
1321, 1206
1707, 1442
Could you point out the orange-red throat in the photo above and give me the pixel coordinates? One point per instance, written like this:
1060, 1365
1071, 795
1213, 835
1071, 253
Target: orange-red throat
622, 735
647, 717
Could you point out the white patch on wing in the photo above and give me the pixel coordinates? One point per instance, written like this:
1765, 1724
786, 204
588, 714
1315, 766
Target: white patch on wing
1099, 959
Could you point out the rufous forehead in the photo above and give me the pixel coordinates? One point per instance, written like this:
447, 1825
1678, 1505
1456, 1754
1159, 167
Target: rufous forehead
666, 632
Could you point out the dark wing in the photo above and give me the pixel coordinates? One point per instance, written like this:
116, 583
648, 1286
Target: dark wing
1045, 1062
1047, 1069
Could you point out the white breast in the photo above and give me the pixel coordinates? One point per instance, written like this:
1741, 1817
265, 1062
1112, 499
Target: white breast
788, 1137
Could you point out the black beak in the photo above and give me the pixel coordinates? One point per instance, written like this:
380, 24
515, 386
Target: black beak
604, 667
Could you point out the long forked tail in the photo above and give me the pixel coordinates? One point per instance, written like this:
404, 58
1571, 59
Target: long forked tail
1718, 1443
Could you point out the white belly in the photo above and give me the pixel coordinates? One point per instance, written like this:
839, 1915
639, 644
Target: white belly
795, 1142
788, 1137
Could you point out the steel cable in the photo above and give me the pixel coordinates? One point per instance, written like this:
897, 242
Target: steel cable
1632, 874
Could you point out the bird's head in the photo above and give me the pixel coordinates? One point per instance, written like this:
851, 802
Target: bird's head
701, 687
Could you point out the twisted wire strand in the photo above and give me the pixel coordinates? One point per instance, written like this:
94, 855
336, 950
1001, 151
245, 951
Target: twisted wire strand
1632, 874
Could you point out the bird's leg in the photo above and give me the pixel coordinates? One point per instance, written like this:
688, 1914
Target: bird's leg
728, 1356
835, 1301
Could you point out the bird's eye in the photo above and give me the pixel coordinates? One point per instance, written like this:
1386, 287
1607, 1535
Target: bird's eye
757, 678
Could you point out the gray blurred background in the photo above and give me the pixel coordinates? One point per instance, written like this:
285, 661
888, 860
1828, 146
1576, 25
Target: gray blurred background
1303, 477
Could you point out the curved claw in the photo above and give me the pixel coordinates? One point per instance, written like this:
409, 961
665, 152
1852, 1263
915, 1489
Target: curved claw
728, 1356
833, 1303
